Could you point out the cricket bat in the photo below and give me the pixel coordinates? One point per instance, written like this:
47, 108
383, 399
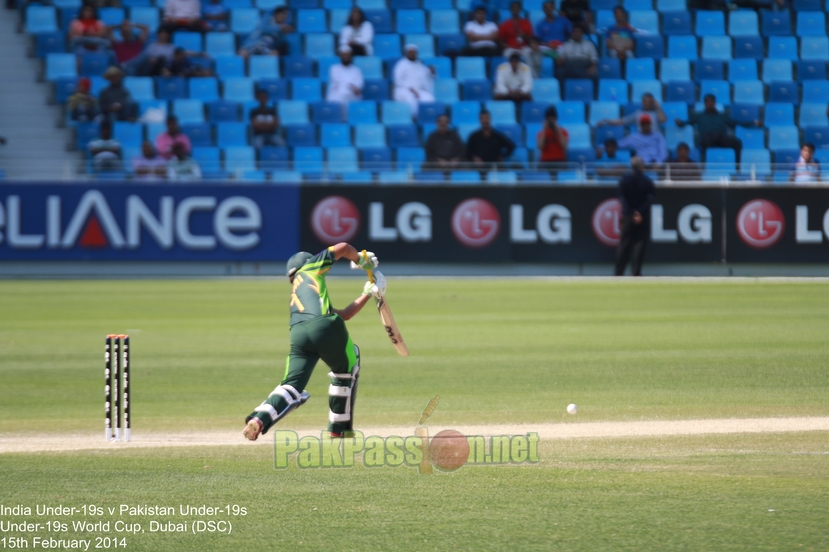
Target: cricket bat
388, 322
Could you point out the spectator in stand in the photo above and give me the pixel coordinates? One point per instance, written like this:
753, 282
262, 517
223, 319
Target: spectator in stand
413, 81
647, 144
577, 58
216, 16
771, 5
516, 32
636, 193
608, 162
487, 145
269, 37
481, 35
619, 37
650, 106
345, 80
444, 147
713, 127
807, 169
165, 141
183, 15
265, 122
131, 44
82, 106
552, 139
181, 167
105, 150
115, 100
155, 58
553, 31
149, 165
514, 81
87, 33
183, 66
577, 11
358, 34
684, 168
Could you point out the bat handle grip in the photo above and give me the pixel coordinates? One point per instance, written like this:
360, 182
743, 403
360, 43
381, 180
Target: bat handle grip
369, 271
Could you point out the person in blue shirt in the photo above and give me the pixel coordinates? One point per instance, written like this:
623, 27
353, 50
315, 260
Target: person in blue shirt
647, 143
216, 16
553, 30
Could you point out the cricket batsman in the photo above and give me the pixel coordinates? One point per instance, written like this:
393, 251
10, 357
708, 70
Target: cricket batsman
318, 332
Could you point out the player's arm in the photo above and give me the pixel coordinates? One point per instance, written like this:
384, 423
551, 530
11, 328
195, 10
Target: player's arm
377, 289
348, 251
356, 306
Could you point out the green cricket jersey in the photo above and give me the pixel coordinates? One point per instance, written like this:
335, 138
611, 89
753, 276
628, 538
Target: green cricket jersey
309, 296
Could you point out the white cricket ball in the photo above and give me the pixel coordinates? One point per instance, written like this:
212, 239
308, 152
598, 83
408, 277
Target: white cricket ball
572, 409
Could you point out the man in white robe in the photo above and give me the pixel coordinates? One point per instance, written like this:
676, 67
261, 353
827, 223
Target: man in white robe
413, 82
345, 80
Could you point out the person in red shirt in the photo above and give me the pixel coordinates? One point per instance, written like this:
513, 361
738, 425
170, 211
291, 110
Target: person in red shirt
552, 139
87, 33
131, 44
516, 33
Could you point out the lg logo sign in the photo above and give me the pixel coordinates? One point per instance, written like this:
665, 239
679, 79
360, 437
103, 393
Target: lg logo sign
335, 219
693, 224
760, 223
476, 223
607, 220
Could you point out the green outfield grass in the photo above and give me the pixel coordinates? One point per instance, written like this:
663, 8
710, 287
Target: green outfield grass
205, 352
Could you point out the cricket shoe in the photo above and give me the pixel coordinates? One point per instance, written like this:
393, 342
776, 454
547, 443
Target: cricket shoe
253, 429
348, 434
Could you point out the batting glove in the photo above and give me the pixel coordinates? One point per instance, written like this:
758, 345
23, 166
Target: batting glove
369, 262
376, 289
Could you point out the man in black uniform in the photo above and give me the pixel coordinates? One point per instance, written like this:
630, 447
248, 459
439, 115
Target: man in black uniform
636, 192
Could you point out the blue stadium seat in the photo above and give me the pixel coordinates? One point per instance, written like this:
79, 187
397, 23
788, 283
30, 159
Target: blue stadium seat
783, 138
451, 42
548, 89
502, 177
613, 90
209, 160
786, 156
189, 111
465, 112
61, 66
610, 68
709, 69
393, 177
777, 23
604, 18
682, 47
645, 19
815, 91
160, 107
293, 112
406, 4
721, 161
410, 157
334, 135
395, 113
223, 111
638, 88
243, 21
298, 67
670, 5
438, 5
817, 135
444, 22
277, 89
85, 133
807, 5
779, 114
470, 68
533, 112
64, 88
650, 46
720, 89
751, 137
777, 70
50, 43
200, 134
311, 21
307, 158
424, 42
676, 23
41, 19
811, 23
232, 4
129, 134
326, 112
319, 45
640, 69
442, 65
603, 110
378, 90
783, 47
192, 42
221, 44
748, 47
502, 112
302, 135
380, 20
375, 157
370, 136
429, 112
742, 69
578, 90
403, 136
307, 89
675, 135
262, 67
478, 90
531, 134
465, 130
411, 21
372, 67
783, 91
141, 88
755, 161
681, 92
286, 177
337, 18
710, 23
748, 91
716, 47
742, 23
145, 15
813, 114
465, 177
387, 46
170, 88
579, 136
362, 112
811, 70
231, 134
342, 159
814, 48
675, 110
229, 66
238, 89
570, 113
239, 158
581, 155
513, 132
674, 70
93, 64
324, 65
